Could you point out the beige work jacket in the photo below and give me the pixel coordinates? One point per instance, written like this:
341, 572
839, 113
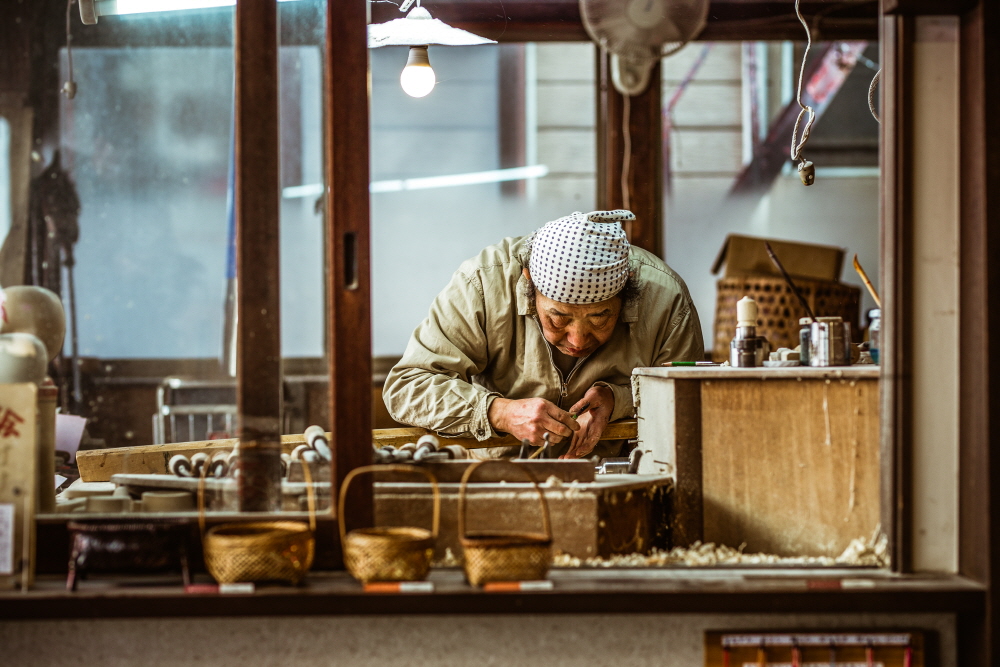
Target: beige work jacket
481, 340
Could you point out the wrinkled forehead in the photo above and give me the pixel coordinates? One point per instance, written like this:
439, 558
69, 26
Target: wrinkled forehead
576, 309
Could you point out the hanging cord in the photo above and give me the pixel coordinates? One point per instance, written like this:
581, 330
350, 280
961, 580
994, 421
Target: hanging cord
626, 160
799, 142
871, 96
69, 88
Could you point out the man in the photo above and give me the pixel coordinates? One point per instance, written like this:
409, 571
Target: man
537, 330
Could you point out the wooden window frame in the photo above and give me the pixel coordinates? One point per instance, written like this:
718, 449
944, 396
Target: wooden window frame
348, 286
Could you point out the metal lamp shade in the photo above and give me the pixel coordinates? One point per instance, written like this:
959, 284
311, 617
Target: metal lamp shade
419, 29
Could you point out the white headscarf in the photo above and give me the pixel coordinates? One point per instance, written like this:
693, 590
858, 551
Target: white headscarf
581, 258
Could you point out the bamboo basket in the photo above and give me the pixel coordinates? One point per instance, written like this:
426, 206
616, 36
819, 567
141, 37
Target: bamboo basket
259, 550
394, 553
504, 555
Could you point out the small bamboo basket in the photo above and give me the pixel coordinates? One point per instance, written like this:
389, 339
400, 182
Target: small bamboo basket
504, 555
391, 553
259, 550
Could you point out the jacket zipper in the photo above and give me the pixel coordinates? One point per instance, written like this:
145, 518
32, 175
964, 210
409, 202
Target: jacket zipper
564, 381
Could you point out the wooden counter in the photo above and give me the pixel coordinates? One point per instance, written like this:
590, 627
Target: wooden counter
783, 460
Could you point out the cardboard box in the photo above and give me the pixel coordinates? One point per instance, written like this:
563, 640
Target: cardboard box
745, 256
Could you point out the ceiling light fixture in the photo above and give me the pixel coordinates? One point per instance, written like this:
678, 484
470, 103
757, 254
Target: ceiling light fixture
418, 31
90, 10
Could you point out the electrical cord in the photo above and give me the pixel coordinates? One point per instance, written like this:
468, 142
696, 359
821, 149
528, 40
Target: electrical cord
799, 142
627, 155
69, 88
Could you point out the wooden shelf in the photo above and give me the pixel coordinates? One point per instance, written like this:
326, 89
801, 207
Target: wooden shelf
617, 590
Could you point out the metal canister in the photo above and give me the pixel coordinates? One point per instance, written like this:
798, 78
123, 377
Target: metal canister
804, 323
829, 342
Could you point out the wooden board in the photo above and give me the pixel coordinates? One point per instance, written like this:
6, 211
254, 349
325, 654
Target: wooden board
18, 431
98, 465
623, 429
790, 467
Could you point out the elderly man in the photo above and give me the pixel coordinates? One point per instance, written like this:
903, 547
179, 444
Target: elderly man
540, 334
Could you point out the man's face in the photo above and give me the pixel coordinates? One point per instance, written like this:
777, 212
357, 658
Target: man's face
576, 329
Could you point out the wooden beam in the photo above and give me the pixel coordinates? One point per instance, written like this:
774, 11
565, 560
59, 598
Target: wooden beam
514, 21
925, 7
348, 272
737, 20
258, 375
645, 166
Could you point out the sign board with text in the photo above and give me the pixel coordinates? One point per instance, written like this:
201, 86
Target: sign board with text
18, 435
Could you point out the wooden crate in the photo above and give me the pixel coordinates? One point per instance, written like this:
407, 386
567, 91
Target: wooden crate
779, 310
784, 461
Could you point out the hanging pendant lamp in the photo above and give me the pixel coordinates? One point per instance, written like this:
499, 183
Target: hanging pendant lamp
418, 31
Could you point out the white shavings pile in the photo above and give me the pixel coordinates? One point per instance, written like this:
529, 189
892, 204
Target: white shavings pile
449, 560
872, 552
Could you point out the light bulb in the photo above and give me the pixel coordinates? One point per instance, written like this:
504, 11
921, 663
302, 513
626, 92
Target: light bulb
417, 78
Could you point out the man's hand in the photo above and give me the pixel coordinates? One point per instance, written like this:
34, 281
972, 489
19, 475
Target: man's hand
601, 402
531, 419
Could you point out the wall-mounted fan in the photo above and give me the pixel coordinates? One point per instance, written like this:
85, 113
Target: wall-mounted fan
638, 33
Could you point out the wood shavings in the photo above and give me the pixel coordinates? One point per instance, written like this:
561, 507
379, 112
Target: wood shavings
873, 551
870, 552
449, 560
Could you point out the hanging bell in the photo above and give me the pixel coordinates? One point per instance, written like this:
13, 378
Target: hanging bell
807, 172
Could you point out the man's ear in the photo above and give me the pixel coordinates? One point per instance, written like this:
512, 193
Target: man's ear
524, 272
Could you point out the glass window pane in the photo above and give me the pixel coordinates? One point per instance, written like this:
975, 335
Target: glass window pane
426, 219
149, 146
717, 96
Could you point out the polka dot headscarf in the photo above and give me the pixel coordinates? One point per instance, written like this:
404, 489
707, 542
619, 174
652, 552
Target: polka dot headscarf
581, 258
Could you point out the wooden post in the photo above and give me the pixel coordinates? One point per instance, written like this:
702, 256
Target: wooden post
645, 169
979, 466
258, 374
348, 272
896, 157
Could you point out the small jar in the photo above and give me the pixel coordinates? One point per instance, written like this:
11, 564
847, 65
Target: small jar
875, 333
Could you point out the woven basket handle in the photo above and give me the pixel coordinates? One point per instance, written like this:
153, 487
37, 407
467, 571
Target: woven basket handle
435, 522
527, 471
